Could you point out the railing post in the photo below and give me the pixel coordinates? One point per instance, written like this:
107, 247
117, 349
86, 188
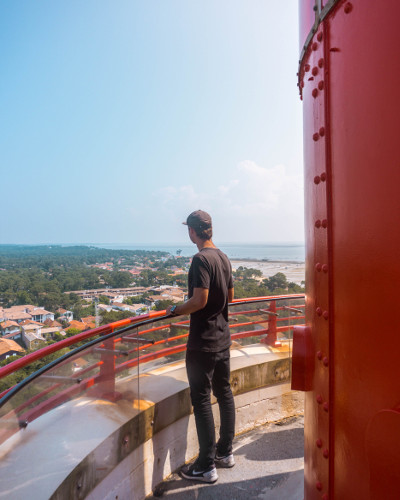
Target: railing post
271, 337
106, 379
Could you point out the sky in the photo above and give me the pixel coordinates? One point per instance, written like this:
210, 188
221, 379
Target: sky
120, 117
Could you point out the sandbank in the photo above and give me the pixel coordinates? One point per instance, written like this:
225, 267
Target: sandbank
294, 271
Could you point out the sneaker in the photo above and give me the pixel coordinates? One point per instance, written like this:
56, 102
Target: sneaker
196, 473
226, 461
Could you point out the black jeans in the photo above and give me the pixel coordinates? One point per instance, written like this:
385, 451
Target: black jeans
208, 370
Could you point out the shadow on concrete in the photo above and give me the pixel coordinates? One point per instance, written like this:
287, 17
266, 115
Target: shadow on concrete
269, 466
279, 445
284, 486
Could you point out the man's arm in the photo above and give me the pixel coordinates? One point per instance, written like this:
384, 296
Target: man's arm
231, 293
196, 302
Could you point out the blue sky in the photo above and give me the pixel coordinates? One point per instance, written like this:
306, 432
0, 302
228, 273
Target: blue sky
118, 118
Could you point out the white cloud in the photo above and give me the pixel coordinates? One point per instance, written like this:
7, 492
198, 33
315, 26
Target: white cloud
258, 204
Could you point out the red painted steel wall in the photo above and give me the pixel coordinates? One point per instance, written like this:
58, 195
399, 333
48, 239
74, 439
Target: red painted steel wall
350, 80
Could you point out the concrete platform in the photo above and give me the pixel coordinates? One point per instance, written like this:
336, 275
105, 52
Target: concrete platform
269, 466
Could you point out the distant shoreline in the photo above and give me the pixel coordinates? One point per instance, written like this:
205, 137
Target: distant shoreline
267, 261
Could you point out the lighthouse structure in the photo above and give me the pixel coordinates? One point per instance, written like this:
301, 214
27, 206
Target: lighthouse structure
347, 357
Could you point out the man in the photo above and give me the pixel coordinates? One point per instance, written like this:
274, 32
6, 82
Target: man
208, 353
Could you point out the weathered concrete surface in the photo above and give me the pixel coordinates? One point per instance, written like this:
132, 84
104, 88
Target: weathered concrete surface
269, 466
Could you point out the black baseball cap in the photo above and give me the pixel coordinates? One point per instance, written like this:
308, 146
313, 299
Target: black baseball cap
199, 220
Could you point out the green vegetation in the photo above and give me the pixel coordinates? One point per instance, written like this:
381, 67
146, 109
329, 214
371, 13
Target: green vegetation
248, 283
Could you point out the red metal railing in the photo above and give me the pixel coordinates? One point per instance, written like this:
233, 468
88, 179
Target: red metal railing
112, 327
98, 378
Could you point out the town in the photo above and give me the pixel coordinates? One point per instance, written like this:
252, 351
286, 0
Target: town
40, 305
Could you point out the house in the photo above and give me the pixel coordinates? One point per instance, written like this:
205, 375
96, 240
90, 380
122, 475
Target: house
104, 307
32, 339
65, 315
9, 348
78, 325
8, 326
48, 333
52, 324
39, 314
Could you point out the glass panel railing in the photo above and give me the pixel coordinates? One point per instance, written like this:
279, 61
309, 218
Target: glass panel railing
70, 406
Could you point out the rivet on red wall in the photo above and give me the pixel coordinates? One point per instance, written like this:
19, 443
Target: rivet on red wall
318, 267
326, 453
319, 399
325, 496
314, 46
321, 85
319, 36
319, 355
318, 442
325, 314
324, 223
320, 62
325, 268
322, 131
325, 361
318, 485
318, 224
315, 71
323, 177
326, 407
347, 9
319, 311
307, 68
315, 138
314, 93
317, 178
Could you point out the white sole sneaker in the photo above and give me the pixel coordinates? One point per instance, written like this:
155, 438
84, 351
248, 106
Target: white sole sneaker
207, 476
227, 461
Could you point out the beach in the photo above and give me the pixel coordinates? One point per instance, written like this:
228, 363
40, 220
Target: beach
294, 271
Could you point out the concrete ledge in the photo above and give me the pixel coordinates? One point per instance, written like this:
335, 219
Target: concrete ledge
158, 440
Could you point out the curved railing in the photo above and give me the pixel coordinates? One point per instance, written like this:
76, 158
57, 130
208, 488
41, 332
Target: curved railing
110, 367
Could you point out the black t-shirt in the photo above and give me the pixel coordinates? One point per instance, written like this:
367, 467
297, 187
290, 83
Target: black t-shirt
209, 328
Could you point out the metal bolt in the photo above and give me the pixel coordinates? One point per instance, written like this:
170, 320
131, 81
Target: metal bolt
307, 68
323, 177
325, 407
326, 453
322, 131
324, 223
319, 36
325, 361
315, 138
314, 46
318, 485
317, 178
314, 93
318, 267
318, 442
325, 314
348, 8
319, 399
325, 268
319, 355
315, 71
321, 85
317, 224
319, 311
320, 62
